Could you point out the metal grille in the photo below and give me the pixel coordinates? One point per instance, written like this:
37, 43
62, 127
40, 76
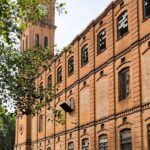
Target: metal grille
103, 143
101, 41
71, 146
70, 66
85, 144
59, 75
84, 55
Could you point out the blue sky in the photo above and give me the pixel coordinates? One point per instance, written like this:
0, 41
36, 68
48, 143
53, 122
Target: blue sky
80, 14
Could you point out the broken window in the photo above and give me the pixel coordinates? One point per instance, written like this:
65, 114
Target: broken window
101, 41
122, 24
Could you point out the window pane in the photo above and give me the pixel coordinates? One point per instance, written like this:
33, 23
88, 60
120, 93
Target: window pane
103, 143
49, 84
85, 144
126, 139
37, 40
124, 84
146, 8
71, 146
122, 24
101, 41
70, 66
59, 75
84, 55
45, 42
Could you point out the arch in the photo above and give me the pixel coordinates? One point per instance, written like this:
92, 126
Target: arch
37, 40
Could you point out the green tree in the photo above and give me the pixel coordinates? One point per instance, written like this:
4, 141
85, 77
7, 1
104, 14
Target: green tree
7, 130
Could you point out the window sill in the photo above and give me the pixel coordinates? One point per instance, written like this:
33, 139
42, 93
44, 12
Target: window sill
84, 64
70, 74
145, 18
119, 38
126, 99
100, 52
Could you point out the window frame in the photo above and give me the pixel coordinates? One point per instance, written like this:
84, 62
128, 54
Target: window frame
98, 37
69, 145
126, 141
40, 123
45, 41
83, 146
49, 84
41, 91
59, 77
70, 72
123, 94
144, 13
105, 147
82, 54
119, 36
37, 40
148, 136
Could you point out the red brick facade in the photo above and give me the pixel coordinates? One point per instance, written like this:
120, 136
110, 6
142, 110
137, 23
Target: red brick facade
94, 87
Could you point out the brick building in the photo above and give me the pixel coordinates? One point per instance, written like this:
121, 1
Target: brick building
103, 86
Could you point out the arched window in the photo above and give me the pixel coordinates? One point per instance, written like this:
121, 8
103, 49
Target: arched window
27, 42
101, 41
23, 44
48, 148
71, 146
146, 8
85, 144
37, 40
70, 65
41, 91
59, 74
40, 123
124, 83
103, 142
84, 55
148, 135
49, 82
122, 23
125, 139
45, 42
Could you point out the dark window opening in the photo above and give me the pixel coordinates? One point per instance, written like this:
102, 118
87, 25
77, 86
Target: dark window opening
23, 44
49, 83
85, 144
101, 41
84, 55
146, 8
126, 140
59, 75
124, 84
26, 42
71, 146
122, 24
103, 142
40, 123
37, 40
45, 42
70, 66
148, 132
41, 91
48, 148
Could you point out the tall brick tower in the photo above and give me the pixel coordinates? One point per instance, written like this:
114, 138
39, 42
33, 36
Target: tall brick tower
41, 34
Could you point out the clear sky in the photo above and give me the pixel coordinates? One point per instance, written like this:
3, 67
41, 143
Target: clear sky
80, 14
